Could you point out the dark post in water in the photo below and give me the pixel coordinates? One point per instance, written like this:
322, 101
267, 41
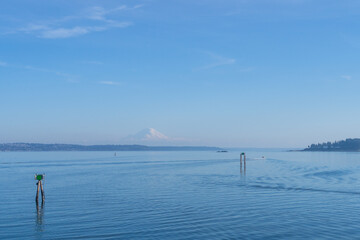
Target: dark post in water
241, 160
39, 184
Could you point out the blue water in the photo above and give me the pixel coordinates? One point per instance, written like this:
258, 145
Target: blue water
181, 195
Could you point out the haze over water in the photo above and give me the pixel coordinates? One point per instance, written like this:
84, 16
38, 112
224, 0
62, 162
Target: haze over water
181, 195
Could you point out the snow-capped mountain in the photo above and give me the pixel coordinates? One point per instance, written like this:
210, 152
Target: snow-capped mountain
148, 136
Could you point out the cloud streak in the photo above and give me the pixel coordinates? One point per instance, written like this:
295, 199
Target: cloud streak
95, 19
92, 62
67, 77
346, 77
217, 61
110, 83
77, 31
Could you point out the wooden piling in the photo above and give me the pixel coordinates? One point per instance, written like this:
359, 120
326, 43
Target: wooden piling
42, 192
242, 157
37, 192
240, 161
39, 178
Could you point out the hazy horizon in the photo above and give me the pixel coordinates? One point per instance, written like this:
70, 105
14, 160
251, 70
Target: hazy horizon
266, 73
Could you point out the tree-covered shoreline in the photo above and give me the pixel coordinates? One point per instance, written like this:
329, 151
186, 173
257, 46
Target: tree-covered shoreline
39, 147
348, 145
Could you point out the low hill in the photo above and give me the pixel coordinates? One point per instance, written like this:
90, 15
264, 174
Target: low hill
13, 147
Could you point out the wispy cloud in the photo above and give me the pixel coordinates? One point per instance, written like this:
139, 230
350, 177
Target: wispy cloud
92, 62
63, 75
217, 61
94, 19
68, 77
246, 7
110, 83
64, 32
77, 31
100, 13
346, 77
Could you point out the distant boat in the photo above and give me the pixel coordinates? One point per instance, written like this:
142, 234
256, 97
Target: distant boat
222, 151
262, 158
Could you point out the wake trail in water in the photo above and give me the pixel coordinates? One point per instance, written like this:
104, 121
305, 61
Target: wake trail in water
303, 189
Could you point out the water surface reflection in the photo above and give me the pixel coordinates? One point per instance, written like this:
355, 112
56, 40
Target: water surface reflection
39, 223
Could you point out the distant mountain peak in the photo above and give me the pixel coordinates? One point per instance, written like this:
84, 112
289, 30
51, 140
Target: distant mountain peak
149, 134
152, 137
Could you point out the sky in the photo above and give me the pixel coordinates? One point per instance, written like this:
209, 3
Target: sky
234, 73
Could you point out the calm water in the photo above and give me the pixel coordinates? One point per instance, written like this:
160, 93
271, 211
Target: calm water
181, 195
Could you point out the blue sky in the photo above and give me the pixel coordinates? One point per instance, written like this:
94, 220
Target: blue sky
260, 73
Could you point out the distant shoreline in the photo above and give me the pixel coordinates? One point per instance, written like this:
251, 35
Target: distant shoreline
41, 147
347, 145
306, 150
